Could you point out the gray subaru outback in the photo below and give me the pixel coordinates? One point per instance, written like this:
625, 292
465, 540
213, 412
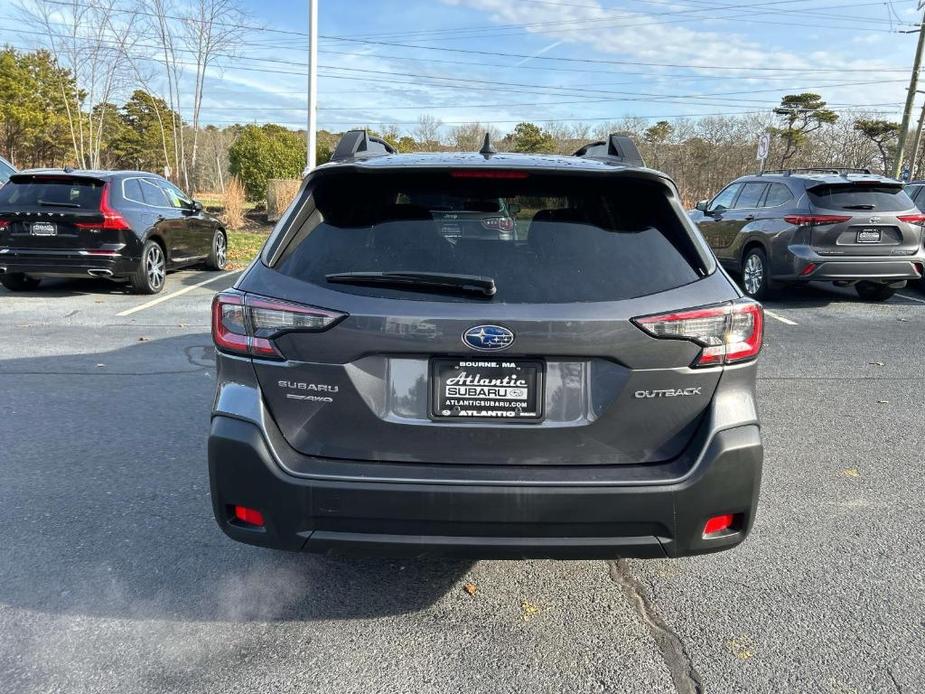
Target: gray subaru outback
579, 386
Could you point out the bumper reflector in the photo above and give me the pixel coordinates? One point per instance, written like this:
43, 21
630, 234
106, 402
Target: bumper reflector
718, 524
251, 516
808, 270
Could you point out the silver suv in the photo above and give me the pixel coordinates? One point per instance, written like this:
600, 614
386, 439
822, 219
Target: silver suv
845, 226
580, 387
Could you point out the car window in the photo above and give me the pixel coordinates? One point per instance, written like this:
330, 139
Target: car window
543, 239
176, 196
131, 190
750, 196
5, 171
855, 196
778, 194
914, 192
153, 194
47, 191
725, 198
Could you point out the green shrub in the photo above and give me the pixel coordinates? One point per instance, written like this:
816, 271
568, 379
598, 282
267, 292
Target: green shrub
263, 152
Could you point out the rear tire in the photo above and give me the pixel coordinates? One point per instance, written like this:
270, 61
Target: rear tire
874, 291
755, 282
218, 256
151, 274
18, 282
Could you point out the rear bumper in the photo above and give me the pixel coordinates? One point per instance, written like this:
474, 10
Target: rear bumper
806, 265
574, 520
65, 263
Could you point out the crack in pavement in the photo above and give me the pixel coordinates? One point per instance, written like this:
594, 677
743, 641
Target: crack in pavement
676, 658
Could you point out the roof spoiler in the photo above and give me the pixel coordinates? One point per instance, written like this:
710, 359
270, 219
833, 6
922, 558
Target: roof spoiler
618, 148
356, 144
837, 170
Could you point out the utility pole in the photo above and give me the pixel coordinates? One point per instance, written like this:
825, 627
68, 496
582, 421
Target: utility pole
312, 134
910, 102
914, 154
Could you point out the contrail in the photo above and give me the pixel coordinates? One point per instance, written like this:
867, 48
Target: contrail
539, 52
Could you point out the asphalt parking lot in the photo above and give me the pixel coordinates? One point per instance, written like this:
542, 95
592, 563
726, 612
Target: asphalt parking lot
115, 578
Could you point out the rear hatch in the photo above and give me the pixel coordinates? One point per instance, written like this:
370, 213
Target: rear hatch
864, 218
60, 214
547, 369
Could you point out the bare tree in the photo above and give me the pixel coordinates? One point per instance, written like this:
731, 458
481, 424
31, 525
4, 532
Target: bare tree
89, 38
211, 32
427, 132
469, 137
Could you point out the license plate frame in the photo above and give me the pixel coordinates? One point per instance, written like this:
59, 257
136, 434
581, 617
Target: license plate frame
869, 235
497, 403
43, 229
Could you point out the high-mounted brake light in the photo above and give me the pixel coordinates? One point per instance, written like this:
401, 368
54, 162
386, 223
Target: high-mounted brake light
728, 333
112, 220
246, 324
918, 219
815, 220
488, 173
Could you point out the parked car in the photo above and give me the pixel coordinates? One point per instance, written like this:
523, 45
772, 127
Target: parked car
128, 226
845, 226
586, 390
6, 170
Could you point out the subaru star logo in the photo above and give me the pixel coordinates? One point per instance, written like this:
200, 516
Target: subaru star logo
488, 338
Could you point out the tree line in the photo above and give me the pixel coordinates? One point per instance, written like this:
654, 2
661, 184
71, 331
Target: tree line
50, 117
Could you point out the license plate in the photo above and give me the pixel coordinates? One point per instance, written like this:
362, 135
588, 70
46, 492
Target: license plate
504, 390
44, 229
869, 236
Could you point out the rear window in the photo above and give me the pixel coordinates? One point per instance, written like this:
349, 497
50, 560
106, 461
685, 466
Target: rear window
52, 192
543, 239
860, 197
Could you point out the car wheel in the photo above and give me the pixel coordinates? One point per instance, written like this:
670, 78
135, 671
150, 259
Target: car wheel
755, 282
151, 274
874, 291
18, 282
218, 256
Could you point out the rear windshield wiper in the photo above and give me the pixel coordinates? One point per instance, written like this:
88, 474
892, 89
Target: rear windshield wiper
468, 284
860, 206
46, 203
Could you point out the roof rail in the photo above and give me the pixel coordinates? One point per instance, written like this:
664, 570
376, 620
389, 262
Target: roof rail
616, 147
837, 170
359, 143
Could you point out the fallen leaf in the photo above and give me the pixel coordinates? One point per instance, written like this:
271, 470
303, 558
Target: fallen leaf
740, 647
876, 363
851, 472
471, 588
903, 320
528, 610
883, 402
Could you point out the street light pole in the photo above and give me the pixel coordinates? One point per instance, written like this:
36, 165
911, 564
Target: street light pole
312, 134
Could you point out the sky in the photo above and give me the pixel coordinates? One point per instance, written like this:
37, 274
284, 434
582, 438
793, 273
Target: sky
387, 62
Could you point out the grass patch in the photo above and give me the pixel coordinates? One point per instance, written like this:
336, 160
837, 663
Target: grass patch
243, 247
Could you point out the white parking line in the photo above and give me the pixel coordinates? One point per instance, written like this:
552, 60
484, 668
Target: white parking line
912, 298
785, 321
173, 295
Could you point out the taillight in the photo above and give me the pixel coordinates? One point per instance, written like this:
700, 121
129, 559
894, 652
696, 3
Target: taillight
246, 324
4, 223
498, 223
918, 219
112, 220
729, 333
815, 220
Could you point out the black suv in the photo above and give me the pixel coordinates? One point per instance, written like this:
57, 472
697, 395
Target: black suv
845, 226
582, 387
123, 225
